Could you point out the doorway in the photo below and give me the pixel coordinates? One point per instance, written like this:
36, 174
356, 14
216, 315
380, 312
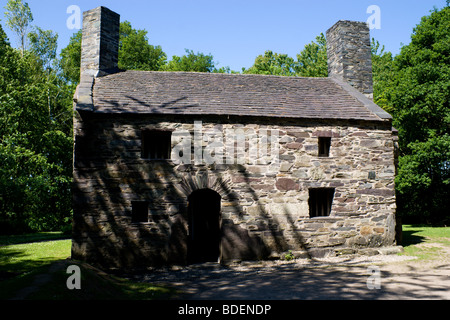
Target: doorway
204, 226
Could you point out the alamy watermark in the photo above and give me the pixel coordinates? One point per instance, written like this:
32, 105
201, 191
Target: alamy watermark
238, 145
74, 281
374, 280
374, 19
74, 19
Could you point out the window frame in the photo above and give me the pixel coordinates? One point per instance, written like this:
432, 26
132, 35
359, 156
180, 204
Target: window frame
159, 151
324, 146
320, 202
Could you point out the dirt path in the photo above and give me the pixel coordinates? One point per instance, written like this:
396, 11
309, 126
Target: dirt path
346, 278
422, 279
40, 280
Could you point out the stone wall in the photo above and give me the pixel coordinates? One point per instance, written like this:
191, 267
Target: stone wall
264, 207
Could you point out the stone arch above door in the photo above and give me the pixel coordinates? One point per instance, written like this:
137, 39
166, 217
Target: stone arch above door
193, 181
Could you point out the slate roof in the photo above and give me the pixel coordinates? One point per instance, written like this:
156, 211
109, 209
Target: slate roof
189, 93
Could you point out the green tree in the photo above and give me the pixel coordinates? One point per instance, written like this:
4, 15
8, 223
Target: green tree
312, 60
18, 18
35, 147
419, 95
272, 63
423, 181
193, 62
383, 74
4, 42
421, 92
135, 52
43, 43
226, 69
70, 58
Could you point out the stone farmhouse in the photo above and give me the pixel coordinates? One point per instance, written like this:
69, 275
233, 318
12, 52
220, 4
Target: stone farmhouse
181, 168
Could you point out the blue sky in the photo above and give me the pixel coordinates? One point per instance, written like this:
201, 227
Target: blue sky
236, 31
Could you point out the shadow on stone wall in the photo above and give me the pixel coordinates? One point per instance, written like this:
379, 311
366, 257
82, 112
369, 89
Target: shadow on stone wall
109, 174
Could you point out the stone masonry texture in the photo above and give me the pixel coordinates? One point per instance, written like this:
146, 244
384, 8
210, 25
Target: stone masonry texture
100, 44
264, 207
349, 54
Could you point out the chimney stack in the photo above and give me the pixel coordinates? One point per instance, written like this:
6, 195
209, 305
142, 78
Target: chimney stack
350, 55
100, 42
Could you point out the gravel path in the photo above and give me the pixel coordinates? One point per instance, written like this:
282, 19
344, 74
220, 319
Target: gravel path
380, 277
400, 277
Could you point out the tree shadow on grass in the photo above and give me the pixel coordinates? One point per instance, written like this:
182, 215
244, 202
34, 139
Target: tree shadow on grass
411, 238
32, 237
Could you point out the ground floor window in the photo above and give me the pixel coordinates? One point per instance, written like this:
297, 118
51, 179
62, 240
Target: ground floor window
139, 211
320, 201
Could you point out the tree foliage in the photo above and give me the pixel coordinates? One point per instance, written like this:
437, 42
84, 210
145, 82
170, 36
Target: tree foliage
135, 52
18, 19
43, 44
35, 138
70, 59
419, 95
272, 63
382, 73
193, 62
311, 62
423, 181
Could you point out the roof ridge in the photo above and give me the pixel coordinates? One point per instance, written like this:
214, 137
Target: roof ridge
220, 74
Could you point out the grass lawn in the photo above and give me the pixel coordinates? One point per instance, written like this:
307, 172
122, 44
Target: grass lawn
25, 257
425, 242
23, 260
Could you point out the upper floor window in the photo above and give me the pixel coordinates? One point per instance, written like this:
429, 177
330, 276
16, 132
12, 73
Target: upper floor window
324, 146
156, 144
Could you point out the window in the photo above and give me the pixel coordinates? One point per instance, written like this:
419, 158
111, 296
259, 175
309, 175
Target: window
320, 201
139, 211
156, 144
324, 146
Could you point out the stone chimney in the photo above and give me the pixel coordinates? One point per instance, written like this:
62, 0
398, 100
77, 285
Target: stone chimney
100, 42
349, 55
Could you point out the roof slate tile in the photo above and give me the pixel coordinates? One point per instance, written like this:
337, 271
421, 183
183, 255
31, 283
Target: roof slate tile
189, 93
